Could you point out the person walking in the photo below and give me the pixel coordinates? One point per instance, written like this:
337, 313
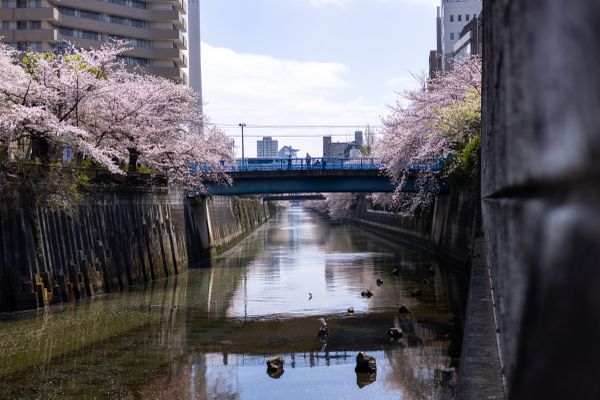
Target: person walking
307, 161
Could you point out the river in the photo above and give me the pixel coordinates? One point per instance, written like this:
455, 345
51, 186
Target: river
207, 333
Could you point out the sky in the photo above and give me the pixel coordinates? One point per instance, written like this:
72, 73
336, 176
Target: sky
309, 62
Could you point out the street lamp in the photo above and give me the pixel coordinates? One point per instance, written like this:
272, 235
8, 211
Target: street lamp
242, 125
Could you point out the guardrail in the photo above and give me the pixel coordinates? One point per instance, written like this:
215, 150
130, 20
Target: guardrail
321, 163
302, 164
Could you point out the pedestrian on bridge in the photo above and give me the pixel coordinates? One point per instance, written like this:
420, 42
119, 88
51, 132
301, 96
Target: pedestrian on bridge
307, 161
289, 162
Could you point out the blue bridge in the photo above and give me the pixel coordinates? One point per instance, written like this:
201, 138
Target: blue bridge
309, 175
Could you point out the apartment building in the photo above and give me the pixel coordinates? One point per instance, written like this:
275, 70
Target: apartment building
267, 147
452, 17
154, 29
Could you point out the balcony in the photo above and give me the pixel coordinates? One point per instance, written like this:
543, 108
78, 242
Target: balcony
174, 73
104, 7
36, 35
21, 14
121, 30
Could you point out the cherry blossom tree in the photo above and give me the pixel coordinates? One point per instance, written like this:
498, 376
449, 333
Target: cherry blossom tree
89, 101
441, 120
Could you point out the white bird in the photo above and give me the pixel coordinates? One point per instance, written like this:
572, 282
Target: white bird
323, 323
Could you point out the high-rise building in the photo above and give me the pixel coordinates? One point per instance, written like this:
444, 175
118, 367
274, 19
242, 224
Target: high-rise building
452, 17
154, 29
267, 147
470, 41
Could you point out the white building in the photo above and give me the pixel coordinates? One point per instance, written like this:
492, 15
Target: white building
267, 147
194, 72
455, 14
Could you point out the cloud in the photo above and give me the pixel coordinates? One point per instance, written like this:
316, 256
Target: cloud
265, 90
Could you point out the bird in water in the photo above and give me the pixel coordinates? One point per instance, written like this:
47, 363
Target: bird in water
310, 297
323, 331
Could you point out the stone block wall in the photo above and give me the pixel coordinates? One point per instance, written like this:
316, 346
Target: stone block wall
541, 192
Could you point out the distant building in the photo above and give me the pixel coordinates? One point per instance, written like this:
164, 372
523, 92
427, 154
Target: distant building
288, 151
267, 147
343, 149
469, 43
435, 56
452, 17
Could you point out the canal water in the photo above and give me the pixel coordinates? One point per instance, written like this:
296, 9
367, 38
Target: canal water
207, 333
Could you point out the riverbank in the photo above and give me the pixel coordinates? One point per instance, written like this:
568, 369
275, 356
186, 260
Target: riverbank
452, 232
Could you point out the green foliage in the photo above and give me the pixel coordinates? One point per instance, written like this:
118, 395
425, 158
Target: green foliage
145, 170
460, 124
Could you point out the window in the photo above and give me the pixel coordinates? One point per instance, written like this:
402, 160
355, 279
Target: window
67, 11
132, 41
79, 34
130, 3
89, 15
90, 35
474, 16
129, 22
467, 17
35, 24
6, 25
21, 4
452, 36
80, 13
9, 3
459, 17
134, 60
66, 31
452, 18
21, 25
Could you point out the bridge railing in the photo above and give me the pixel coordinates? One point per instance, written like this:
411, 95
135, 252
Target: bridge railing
302, 164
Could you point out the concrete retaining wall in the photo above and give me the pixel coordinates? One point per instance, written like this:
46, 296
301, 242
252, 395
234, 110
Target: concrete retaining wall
447, 230
115, 239
541, 192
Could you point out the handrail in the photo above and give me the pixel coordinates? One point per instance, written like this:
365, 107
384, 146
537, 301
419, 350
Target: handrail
302, 164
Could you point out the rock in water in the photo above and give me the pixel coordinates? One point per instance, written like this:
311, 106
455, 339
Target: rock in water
416, 293
363, 379
396, 271
395, 332
351, 310
379, 282
275, 363
275, 367
366, 293
365, 363
404, 310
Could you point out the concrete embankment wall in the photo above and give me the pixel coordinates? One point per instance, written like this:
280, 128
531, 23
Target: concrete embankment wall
448, 229
541, 192
114, 239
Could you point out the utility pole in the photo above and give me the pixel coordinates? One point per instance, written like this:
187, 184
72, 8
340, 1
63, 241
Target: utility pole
242, 125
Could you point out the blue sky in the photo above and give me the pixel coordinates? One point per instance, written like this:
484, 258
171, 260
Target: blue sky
310, 62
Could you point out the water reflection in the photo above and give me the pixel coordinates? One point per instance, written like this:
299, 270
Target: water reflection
207, 334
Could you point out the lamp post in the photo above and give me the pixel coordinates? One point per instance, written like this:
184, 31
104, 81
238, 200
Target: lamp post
242, 125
